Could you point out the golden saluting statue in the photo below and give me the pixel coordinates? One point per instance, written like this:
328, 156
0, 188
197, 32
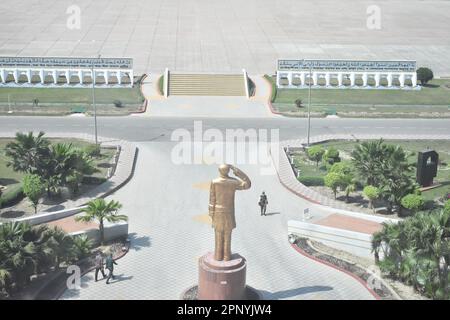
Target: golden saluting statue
221, 207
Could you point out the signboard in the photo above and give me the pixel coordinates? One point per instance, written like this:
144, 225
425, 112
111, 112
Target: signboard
53, 62
346, 65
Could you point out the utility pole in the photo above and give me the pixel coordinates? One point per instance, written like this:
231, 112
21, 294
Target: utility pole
93, 102
309, 104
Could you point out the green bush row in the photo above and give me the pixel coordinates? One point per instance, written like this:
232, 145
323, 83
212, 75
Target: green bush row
12, 195
311, 180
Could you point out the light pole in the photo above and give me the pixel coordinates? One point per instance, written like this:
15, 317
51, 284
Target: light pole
309, 105
93, 101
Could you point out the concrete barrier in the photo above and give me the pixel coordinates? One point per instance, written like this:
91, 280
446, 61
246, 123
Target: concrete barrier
50, 216
357, 243
112, 232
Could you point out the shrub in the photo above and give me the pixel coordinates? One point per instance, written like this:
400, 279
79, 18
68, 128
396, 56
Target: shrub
161, 85
331, 156
92, 150
412, 202
447, 206
424, 75
33, 188
118, 103
341, 168
12, 195
316, 153
299, 103
333, 181
311, 180
372, 193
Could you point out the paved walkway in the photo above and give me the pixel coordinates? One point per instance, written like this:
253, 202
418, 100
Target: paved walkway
169, 231
208, 106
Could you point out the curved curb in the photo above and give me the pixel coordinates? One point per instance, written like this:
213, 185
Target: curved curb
303, 253
269, 101
145, 104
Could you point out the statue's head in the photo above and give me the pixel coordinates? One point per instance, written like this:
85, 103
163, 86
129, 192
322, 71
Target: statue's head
224, 169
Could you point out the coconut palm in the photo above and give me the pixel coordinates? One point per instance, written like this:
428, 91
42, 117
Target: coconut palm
101, 210
27, 152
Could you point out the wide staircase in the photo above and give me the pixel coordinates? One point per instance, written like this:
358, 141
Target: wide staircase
184, 84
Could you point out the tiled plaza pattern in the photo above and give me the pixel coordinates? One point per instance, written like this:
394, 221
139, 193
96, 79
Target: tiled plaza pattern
169, 230
289, 180
226, 36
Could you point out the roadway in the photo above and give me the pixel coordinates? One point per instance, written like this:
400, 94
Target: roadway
137, 128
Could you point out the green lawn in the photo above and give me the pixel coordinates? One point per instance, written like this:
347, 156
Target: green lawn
442, 147
63, 100
434, 98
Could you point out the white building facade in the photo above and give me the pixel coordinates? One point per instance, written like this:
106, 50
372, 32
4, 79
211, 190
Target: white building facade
60, 71
346, 74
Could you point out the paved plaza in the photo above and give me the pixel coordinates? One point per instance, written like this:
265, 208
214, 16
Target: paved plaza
226, 36
170, 230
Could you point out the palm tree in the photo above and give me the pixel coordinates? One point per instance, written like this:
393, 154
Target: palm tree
82, 246
28, 152
101, 210
367, 158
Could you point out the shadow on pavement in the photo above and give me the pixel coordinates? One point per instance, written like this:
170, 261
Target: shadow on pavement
120, 278
293, 292
272, 213
137, 243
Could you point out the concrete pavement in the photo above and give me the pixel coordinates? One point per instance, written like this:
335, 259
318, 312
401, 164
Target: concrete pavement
169, 230
226, 36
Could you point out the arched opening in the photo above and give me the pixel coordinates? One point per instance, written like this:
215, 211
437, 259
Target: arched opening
321, 80
48, 78
62, 79
113, 79
23, 78
35, 78
359, 80
383, 81
99, 79
346, 80
296, 80
395, 81
371, 81
74, 79
408, 81
126, 79
334, 80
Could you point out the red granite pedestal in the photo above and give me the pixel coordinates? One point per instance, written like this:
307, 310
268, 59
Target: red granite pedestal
222, 280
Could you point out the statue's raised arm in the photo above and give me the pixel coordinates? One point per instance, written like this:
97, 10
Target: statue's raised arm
245, 182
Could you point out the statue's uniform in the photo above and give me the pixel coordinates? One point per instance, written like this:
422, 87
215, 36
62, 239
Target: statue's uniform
221, 210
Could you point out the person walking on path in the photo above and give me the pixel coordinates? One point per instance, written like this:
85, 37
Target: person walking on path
263, 203
110, 266
99, 266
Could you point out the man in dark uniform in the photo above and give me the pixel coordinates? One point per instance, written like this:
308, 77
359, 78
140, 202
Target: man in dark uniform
263, 203
110, 266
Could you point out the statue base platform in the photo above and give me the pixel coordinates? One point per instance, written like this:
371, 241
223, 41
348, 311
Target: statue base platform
222, 280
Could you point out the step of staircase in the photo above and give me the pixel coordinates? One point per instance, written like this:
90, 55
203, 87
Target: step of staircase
206, 84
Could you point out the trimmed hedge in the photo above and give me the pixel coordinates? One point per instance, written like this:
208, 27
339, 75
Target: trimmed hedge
93, 180
161, 85
274, 87
12, 195
311, 180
